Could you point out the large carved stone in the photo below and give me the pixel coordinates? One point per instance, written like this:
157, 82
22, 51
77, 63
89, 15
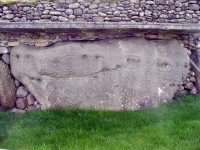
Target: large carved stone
7, 87
113, 74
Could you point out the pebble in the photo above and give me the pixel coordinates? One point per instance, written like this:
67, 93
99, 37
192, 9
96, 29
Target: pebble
22, 92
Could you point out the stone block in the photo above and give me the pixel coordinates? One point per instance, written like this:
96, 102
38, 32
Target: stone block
111, 74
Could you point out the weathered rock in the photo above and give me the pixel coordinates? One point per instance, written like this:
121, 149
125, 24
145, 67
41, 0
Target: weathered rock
115, 74
189, 86
21, 103
17, 111
21, 91
30, 99
6, 58
7, 87
3, 50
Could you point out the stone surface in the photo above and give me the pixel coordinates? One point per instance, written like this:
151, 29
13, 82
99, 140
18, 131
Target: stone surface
3, 50
17, 111
30, 99
21, 91
6, 58
113, 74
21, 103
7, 87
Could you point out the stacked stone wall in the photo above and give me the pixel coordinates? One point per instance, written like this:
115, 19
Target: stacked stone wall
161, 11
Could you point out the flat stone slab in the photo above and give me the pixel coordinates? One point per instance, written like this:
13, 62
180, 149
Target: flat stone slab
174, 28
111, 74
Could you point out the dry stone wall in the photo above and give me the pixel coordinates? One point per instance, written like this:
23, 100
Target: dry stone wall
162, 11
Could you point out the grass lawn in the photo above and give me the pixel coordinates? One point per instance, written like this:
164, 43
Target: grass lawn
171, 126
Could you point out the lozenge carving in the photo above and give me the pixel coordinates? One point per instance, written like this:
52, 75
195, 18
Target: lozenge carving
112, 74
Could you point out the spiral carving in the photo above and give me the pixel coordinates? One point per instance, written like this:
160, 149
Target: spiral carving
50, 66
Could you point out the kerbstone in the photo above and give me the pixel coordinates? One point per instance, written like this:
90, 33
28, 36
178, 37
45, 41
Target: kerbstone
111, 74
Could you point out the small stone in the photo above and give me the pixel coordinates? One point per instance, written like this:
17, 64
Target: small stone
102, 14
150, 2
74, 6
35, 103
193, 6
194, 20
57, 13
63, 19
189, 86
9, 16
178, 4
116, 13
93, 6
192, 73
38, 106
13, 7
21, 103
147, 12
69, 11
31, 99
22, 92
193, 91
98, 19
45, 12
72, 16
15, 43
6, 58
64, 37
26, 8
87, 16
151, 36
17, 111
116, 19
3, 50
17, 83
192, 79
41, 44
78, 12
31, 108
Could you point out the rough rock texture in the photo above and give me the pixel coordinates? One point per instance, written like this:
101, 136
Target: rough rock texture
7, 87
114, 74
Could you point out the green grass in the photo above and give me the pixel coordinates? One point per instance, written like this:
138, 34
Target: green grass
171, 126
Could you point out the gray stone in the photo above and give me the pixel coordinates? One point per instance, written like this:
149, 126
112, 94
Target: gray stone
93, 6
147, 12
13, 7
31, 108
6, 58
57, 13
69, 11
30, 99
116, 13
192, 79
87, 16
78, 12
178, 4
74, 6
17, 111
7, 87
193, 91
63, 19
9, 16
194, 20
189, 85
26, 8
21, 103
193, 6
3, 50
17, 83
113, 74
98, 19
102, 14
22, 91
150, 2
